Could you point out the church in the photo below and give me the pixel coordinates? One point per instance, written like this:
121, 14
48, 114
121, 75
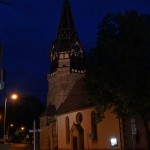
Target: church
68, 121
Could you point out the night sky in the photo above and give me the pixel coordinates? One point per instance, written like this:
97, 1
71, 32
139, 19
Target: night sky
28, 27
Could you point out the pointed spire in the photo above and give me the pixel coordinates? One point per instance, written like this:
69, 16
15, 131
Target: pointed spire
66, 34
66, 50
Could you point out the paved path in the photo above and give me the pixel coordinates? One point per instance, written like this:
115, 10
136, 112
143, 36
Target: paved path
20, 147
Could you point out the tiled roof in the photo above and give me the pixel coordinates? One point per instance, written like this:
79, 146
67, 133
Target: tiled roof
76, 100
49, 111
67, 34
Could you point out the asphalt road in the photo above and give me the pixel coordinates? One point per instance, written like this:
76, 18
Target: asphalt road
20, 147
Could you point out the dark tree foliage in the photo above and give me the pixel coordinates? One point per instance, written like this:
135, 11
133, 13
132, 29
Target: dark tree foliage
118, 72
22, 113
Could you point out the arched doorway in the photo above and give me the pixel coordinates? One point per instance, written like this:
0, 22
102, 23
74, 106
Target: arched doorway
77, 137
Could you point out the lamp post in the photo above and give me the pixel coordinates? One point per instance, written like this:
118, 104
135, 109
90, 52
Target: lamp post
13, 97
5, 102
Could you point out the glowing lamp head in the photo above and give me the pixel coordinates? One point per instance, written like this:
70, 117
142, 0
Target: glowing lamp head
22, 128
11, 125
14, 96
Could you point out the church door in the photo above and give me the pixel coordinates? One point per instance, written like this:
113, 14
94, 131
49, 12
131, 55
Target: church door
75, 143
77, 137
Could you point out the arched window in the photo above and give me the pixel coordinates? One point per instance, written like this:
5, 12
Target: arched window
79, 118
67, 130
94, 126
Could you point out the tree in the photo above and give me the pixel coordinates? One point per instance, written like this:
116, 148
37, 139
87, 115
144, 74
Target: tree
22, 113
119, 67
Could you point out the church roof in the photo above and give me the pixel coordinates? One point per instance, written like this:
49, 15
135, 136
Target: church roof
66, 35
77, 99
49, 111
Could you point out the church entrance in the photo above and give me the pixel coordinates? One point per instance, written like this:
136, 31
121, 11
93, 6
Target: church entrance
77, 137
75, 144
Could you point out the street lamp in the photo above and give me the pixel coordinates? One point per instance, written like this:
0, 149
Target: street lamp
13, 97
9, 126
22, 128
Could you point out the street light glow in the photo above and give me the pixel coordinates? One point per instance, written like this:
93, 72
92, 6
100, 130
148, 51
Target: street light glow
22, 128
11, 125
14, 96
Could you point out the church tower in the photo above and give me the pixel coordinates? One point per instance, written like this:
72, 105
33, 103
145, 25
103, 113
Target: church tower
67, 67
62, 47
66, 57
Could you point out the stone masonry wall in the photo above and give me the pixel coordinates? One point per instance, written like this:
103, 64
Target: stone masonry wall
60, 85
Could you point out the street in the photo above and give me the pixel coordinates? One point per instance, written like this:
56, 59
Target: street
20, 147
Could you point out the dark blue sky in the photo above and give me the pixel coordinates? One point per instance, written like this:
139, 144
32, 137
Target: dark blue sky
28, 27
